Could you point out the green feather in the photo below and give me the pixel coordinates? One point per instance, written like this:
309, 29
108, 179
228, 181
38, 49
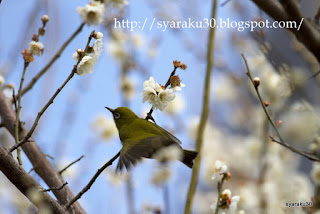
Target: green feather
141, 138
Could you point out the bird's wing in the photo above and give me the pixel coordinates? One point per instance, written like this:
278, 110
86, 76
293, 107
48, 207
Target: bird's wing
155, 129
146, 148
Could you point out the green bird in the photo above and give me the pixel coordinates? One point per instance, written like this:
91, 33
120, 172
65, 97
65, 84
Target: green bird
141, 138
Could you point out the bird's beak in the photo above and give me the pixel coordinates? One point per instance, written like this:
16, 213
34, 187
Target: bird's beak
110, 109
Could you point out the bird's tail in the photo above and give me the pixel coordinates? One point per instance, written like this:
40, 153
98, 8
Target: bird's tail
188, 157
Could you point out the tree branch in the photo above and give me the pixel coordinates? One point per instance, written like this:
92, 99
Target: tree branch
88, 186
282, 141
65, 168
38, 159
24, 182
308, 34
204, 115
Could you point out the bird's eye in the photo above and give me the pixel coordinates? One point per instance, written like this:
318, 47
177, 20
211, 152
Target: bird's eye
117, 115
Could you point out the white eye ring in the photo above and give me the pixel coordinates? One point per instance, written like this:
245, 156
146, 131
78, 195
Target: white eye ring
117, 115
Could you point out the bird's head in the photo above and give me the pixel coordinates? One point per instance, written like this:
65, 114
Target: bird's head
122, 115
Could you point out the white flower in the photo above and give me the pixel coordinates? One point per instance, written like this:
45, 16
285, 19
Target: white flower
234, 202
36, 48
163, 98
1, 80
315, 173
97, 48
230, 203
220, 169
156, 95
149, 94
92, 13
105, 127
149, 83
178, 88
75, 56
86, 65
168, 153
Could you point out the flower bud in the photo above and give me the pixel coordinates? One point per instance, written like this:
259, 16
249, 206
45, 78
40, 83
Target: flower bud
41, 31
175, 81
35, 37
256, 82
98, 35
176, 63
183, 66
44, 19
266, 103
279, 122
27, 55
226, 194
227, 175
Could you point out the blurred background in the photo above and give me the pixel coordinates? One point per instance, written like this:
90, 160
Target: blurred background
264, 174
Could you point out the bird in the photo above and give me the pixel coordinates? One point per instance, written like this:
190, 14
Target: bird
141, 138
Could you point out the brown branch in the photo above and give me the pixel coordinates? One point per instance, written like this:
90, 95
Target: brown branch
50, 63
38, 159
308, 34
282, 141
204, 115
88, 186
65, 168
24, 182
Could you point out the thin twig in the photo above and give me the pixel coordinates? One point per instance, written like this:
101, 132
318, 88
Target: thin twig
314, 75
220, 184
88, 186
32, 169
49, 156
17, 123
204, 115
35, 123
282, 141
224, 3
54, 58
55, 188
65, 168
